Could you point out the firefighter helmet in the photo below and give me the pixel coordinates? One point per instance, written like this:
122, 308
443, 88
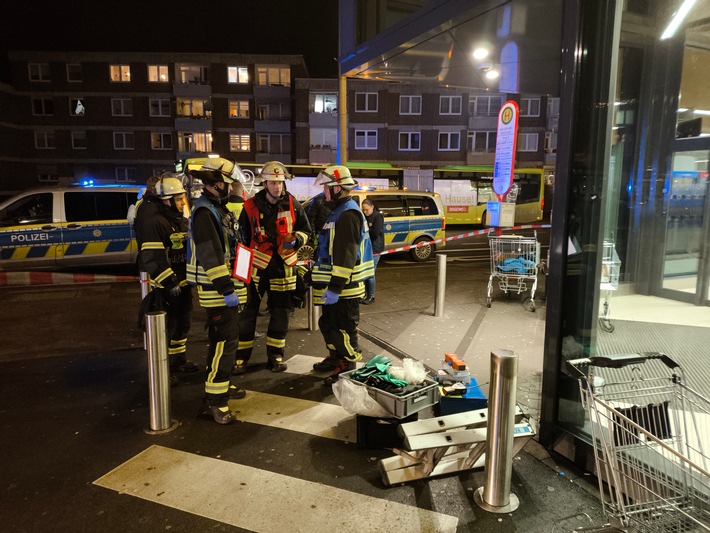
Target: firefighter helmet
216, 169
336, 175
274, 171
167, 187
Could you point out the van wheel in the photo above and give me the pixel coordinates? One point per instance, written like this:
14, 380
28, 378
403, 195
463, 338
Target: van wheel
483, 220
423, 252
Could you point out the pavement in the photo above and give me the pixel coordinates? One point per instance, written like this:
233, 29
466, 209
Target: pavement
74, 410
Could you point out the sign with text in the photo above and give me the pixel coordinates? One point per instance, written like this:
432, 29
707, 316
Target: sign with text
505, 148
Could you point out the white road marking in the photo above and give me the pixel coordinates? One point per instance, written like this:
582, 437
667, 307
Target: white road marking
242, 496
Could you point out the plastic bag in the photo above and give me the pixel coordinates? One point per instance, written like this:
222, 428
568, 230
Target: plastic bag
414, 371
356, 400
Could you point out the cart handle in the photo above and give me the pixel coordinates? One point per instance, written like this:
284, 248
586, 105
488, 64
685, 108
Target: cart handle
618, 361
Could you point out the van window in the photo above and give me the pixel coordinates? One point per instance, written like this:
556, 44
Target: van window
389, 205
95, 205
32, 209
421, 205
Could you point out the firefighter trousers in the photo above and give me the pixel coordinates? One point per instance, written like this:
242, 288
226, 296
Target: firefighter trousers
279, 303
338, 324
223, 332
178, 321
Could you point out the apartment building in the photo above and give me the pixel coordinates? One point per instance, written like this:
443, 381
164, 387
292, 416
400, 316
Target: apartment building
121, 117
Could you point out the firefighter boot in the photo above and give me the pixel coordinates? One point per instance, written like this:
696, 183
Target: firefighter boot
276, 364
236, 393
239, 368
221, 415
327, 364
343, 365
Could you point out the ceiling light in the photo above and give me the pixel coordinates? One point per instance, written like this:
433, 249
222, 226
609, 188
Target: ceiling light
480, 53
677, 19
492, 74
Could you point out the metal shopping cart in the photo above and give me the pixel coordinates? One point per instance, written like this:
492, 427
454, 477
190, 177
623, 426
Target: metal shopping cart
649, 436
611, 266
514, 262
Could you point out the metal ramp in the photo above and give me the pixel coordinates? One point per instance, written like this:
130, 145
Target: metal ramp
446, 445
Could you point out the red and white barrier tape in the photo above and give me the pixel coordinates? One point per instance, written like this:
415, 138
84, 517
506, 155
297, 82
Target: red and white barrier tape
56, 278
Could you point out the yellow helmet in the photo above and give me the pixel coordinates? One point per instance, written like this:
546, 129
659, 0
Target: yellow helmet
336, 175
274, 171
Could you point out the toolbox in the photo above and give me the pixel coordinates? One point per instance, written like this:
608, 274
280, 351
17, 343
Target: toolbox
471, 400
401, 406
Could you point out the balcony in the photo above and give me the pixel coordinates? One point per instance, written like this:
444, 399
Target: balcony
322, 155
480, 158
191, 90
196, 124
482, 123
272, 126
323, 120
271, 92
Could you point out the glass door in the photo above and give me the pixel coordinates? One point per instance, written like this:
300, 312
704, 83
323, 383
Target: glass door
686, 265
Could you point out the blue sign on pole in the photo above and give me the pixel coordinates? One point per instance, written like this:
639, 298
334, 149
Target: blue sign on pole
505, 149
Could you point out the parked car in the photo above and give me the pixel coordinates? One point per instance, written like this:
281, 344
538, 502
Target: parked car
67, 226
410, 217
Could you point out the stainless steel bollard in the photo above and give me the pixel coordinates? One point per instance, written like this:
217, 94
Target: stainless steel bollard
495, 495
440, 285
314, 311
158, 374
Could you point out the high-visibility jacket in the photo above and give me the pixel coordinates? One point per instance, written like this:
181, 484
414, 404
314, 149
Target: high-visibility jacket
341, 266
209, 266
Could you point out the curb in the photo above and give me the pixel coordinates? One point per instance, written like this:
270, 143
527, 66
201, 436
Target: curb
18, 279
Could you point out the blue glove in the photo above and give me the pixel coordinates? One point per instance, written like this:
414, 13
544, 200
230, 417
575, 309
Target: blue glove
330, 297
289, 244
231, 299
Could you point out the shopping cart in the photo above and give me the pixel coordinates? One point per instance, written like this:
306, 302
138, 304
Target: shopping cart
611, 266
649, 436
514, 263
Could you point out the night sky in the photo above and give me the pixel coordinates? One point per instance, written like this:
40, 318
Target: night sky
306, 27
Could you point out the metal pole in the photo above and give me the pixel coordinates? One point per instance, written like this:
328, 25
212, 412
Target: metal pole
440, 285
158, 374
495, 495
145, 289
314, 311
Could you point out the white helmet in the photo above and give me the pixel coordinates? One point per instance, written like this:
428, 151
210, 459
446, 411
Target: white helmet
228, 171
336, 175
274, 171
168, 187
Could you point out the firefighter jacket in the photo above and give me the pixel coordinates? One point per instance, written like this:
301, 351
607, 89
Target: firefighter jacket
212, 238
344, 254
161, 233
265, 227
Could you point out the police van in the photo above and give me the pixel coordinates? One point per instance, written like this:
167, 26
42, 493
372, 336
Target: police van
56, 227
410, 217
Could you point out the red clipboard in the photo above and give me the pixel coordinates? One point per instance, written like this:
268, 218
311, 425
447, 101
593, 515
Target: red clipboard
242, 263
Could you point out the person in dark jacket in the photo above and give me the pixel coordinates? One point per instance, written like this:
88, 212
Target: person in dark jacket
343, 261
274, 225
376, 224
161, 232
213, 237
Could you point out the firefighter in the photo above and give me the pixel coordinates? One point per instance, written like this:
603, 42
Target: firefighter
343, 260
161, 232
274, 225
213, 236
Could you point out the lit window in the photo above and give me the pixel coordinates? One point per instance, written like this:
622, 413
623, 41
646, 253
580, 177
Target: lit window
449, 141
39, 71
158, 73
410, 105
366, 102
323, 102
239, 142
239, 109
366, 139
237, 75
194, 142
120, 73
123, 140
273, 76
194, 73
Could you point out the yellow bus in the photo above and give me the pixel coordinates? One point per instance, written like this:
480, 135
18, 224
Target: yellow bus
465, 191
